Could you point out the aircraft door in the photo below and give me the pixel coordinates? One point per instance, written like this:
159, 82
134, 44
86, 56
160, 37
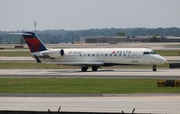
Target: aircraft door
134, 57
98, 55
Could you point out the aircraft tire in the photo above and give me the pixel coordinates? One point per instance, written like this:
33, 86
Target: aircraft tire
154, 68
94, 68
84, 69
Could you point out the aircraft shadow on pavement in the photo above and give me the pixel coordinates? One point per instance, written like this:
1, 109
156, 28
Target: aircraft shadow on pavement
78, 71
105, 70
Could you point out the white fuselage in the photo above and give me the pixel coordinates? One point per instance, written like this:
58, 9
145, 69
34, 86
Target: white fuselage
108, 56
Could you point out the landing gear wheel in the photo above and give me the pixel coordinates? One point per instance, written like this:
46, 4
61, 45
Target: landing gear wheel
94, 68
84, 69
154, 68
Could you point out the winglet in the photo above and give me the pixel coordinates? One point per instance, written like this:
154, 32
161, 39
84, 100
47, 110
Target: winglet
37, 59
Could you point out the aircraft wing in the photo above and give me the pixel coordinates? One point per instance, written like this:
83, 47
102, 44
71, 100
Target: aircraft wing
76, 63
70, 63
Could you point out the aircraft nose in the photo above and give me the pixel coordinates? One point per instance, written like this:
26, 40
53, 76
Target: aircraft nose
163, 60
160, 59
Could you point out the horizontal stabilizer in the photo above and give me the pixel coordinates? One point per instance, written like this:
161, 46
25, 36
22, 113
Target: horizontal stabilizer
21, 33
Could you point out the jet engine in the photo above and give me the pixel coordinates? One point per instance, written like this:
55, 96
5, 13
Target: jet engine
53, 53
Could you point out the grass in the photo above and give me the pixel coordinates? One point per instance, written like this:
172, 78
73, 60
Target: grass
167, 52
15, 53
82, 86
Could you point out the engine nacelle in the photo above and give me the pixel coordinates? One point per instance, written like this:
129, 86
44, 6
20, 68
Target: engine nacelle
53, 53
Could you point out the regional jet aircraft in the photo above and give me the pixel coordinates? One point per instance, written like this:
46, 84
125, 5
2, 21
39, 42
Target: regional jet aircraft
91, 57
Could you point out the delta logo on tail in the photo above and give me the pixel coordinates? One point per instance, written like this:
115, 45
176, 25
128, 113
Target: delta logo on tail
33, 42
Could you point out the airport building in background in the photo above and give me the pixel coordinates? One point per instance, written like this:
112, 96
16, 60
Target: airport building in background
129, 39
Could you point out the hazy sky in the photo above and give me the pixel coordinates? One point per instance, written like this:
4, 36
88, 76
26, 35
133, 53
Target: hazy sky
87, 14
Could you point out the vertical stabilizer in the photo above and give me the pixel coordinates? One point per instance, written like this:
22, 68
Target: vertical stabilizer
33, 42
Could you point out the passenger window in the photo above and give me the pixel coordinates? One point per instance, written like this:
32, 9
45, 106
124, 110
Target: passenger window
124, 54
88, 54
114, 54
105, 54
119, 54
110, 54
92, 54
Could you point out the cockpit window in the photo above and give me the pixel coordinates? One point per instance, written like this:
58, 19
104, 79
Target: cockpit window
152, 52
145, 53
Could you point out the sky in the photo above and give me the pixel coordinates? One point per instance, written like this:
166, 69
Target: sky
86, 14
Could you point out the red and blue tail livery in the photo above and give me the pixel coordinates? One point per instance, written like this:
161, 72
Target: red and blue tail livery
33, 42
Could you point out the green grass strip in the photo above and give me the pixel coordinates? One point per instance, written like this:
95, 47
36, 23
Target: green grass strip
168, 52
15, 53
82, 86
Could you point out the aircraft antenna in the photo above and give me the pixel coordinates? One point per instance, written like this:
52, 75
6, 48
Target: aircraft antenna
34, 26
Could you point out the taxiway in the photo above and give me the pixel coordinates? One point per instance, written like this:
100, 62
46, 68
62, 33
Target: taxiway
106, 103
101, 73
143, 103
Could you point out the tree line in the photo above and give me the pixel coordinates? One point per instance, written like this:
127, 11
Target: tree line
65, 36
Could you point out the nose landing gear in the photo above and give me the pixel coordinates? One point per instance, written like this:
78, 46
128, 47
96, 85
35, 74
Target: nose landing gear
154, 68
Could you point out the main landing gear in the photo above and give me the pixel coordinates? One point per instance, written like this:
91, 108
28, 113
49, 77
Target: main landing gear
84, 69
94, 68
154, 68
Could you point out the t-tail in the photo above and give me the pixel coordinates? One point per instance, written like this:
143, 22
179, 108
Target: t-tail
33, 42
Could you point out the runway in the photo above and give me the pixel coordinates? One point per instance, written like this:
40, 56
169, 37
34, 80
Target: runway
141, 103
101, 73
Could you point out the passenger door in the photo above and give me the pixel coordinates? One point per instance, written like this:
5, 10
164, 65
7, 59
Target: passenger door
134, 57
